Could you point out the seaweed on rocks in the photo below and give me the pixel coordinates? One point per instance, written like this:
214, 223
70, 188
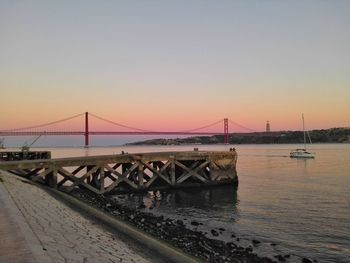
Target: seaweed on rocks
174, 232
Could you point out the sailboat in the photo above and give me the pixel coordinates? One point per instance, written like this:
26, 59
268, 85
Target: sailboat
302, 153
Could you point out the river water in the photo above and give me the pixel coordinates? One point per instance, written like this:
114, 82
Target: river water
296, 207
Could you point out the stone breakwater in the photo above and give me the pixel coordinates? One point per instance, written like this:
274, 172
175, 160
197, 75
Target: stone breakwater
175, 232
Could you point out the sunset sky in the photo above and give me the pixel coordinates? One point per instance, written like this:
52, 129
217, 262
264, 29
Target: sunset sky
176, 65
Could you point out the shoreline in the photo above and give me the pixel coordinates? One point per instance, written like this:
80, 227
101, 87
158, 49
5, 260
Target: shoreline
169, 231
175, 232
136, 144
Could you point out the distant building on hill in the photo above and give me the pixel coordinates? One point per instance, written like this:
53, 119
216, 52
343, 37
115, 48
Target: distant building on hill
268, 129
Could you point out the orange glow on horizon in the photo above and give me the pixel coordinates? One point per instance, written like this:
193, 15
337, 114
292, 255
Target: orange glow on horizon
164, 123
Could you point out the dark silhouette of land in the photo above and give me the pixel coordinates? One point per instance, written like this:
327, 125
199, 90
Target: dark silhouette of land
333, 135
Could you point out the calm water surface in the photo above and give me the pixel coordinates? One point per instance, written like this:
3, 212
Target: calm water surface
302, 206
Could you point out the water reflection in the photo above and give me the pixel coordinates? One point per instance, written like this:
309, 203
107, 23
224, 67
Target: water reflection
217, 200
152, 199
86, 152
304, 164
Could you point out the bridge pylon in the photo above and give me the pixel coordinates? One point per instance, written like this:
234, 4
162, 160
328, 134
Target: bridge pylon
86, 133
226, 136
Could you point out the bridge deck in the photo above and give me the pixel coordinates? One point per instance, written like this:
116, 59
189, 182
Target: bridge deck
131, 172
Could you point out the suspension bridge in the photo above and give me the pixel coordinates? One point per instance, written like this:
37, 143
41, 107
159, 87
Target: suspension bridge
87, 131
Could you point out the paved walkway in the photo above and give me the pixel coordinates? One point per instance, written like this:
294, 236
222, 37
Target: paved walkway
35, 227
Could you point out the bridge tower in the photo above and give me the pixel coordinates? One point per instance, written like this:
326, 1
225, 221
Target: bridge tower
226, 137
86, 129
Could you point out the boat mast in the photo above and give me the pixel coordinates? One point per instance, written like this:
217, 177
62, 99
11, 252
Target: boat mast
304, 132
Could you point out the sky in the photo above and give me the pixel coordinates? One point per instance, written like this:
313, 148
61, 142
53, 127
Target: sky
176, 65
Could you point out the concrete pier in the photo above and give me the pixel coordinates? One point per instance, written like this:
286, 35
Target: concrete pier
131, 172
24, 155
35, 227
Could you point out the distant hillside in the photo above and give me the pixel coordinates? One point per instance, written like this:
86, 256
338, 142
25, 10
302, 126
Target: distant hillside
334, 135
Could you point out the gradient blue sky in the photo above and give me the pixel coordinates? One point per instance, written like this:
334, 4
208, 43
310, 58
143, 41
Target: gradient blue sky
173, 65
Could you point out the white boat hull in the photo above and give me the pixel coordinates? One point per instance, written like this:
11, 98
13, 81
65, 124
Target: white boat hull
301, 154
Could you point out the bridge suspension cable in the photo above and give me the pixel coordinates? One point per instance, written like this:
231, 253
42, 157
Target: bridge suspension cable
118, 124
44, 124
241, 126
125, 126
143, 130
203, 127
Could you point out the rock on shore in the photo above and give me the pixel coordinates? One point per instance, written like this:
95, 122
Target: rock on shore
175, 232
